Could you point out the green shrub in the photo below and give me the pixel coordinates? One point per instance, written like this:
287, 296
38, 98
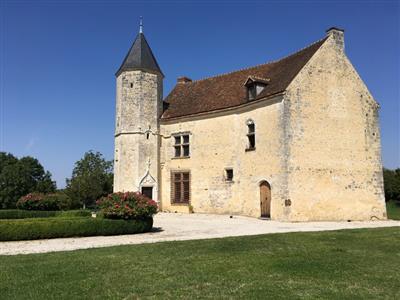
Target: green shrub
39, 201
127, 206
25, 214
62, 200
74, 213
46, 228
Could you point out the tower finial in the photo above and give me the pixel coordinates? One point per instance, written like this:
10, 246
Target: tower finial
141, 25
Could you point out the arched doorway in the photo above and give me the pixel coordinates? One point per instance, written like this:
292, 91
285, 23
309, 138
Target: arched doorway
265, 199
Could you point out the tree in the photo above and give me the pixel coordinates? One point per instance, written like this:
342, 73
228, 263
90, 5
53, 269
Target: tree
91, 179
391, 179
19, 177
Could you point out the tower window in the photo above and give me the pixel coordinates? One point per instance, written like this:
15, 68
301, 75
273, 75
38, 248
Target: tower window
181, 145
251, 136
229, 174
131, 85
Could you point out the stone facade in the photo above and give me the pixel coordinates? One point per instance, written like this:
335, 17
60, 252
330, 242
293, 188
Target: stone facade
138, 111
333, 142
317, 145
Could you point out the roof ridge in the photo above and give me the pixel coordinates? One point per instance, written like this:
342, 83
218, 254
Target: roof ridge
263, 64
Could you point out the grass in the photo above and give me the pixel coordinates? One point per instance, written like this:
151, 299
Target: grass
348, 264
393, 210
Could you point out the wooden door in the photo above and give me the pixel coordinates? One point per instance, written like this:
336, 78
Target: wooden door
265, 199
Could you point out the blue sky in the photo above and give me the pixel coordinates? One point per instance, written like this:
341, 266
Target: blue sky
58, 60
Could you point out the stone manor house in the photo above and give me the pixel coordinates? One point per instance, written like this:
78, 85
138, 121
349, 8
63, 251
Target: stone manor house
296, 139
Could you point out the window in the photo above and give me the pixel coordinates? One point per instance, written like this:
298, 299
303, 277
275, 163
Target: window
181, 145
251, 136
180, 187
254, 89
255, 85
252, 92
229, 174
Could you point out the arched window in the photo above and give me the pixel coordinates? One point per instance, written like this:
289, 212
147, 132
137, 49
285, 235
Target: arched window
251, 135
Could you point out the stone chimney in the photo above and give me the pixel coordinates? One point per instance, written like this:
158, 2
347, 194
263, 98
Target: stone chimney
338, 37
184, 79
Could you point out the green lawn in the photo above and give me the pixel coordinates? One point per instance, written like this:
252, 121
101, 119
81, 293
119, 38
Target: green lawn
393, 210
350, 264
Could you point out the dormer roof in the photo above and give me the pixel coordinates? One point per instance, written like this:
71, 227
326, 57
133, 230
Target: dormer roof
255, 79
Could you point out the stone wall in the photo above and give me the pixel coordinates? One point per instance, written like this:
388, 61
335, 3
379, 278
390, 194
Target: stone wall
218, 141
333, 141
138, 109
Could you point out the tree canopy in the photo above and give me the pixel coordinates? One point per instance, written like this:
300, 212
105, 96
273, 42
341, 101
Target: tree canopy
19, 177
92, 178
391, 180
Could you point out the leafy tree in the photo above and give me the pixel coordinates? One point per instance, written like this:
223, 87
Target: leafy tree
19, 177
391, 180
91, 179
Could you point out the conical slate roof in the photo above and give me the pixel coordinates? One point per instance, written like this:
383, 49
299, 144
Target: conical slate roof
140, 57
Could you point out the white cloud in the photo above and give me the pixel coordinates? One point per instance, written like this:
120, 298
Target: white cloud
31, 143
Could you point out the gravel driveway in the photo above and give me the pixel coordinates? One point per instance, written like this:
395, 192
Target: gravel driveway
179, 227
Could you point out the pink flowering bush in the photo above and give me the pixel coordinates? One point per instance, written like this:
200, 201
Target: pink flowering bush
128, 206
38, 201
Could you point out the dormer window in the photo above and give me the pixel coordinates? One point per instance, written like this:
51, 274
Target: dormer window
255, 86
252, 92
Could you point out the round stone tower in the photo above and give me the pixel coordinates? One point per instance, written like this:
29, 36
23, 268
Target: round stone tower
138, 111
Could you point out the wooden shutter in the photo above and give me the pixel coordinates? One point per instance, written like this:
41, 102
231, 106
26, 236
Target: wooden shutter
180, 187
172, 196
186, 187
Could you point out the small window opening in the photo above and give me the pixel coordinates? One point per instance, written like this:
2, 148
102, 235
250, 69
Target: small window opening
251, 136
229, 174
131, 85
147, 135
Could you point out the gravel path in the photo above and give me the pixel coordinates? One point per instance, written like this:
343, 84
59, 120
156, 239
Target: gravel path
179, 227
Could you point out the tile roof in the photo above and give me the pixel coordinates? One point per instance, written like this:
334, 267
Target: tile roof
228, 90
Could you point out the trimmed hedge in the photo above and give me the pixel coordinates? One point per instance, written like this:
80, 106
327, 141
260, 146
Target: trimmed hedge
32, 229
25, 214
